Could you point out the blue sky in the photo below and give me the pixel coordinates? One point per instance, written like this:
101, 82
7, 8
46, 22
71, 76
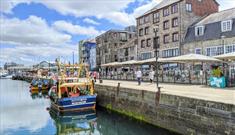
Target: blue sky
36, 30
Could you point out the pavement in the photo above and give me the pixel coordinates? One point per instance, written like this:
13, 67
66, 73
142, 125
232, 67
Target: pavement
202, 92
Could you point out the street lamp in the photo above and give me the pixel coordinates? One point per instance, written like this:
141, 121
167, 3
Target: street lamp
156, 29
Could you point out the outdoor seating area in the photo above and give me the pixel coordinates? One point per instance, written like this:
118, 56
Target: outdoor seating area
218, 71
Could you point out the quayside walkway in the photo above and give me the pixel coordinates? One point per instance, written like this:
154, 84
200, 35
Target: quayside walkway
202, 92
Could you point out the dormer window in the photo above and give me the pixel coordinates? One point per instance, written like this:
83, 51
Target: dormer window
199, 30
226, 25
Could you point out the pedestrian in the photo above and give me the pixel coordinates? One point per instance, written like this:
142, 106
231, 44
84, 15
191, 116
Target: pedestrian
151, 76
139, 76
95, 75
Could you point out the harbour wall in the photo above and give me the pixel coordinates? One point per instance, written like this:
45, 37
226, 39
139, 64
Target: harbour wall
179, 114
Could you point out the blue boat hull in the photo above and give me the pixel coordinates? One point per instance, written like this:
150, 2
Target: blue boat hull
75, 103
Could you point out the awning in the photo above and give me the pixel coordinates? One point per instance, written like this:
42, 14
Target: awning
227, 56
110, 64
191, 58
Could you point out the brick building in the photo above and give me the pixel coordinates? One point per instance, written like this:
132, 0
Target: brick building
172, 17
111, 43
213, 35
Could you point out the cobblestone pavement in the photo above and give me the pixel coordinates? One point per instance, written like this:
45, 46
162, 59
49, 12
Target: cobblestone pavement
226, 95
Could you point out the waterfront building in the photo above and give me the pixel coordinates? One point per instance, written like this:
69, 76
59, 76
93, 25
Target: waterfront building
172, 17
111, 43
212, 35
88, 53
11, 64
128, 51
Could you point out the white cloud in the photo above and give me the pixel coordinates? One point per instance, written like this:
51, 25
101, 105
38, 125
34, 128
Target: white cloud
226, 4
33, 54
6, 6
75, 29
90, 21
144, 8
33, 30
82, 8
32, 40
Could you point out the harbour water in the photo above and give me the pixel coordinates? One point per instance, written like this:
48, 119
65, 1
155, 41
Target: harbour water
22, 114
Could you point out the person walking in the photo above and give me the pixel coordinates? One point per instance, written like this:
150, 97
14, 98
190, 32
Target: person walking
151, 76
95, 75
139, 76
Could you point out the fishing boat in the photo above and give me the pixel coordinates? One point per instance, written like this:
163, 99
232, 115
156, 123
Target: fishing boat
73, 93
40, 85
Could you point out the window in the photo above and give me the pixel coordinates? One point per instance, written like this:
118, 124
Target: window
226, 25
142, 43
146, 30
213, 51
141, 32
175, 37
230, 48
199, 30
146, 19
166, 39
156, 42
220, 50
170, 53
123, 36
166, 25
141, 21
166, 12
115, 45
174, 8
156, 17
189, 7
198, 51
148, 42
132, 48
174, 22
145, 56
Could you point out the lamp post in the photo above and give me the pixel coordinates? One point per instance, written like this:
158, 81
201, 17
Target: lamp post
156, 29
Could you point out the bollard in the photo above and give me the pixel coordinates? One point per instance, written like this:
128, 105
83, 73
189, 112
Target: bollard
118, 88
101, 81
158, 94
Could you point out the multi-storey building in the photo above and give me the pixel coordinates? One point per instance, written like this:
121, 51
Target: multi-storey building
88, 53
172, 17
128, 51
213, 35
109, 44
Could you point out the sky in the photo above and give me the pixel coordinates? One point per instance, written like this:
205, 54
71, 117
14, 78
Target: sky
35, 30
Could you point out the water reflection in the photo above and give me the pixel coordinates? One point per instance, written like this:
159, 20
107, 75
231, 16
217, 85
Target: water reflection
18, 111
74, 122
25, 113
36, 95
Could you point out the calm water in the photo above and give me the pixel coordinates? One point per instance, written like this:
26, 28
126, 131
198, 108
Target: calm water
22, 113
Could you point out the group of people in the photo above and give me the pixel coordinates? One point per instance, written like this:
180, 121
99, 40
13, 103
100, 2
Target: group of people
139, 76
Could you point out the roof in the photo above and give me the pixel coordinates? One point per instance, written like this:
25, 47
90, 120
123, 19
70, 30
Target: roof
162, 4
212, 24
218, 16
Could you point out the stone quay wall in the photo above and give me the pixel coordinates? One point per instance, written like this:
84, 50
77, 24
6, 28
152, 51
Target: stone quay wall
182, 115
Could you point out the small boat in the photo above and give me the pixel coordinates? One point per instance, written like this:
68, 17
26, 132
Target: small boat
40, 85
73, 93
6, 76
